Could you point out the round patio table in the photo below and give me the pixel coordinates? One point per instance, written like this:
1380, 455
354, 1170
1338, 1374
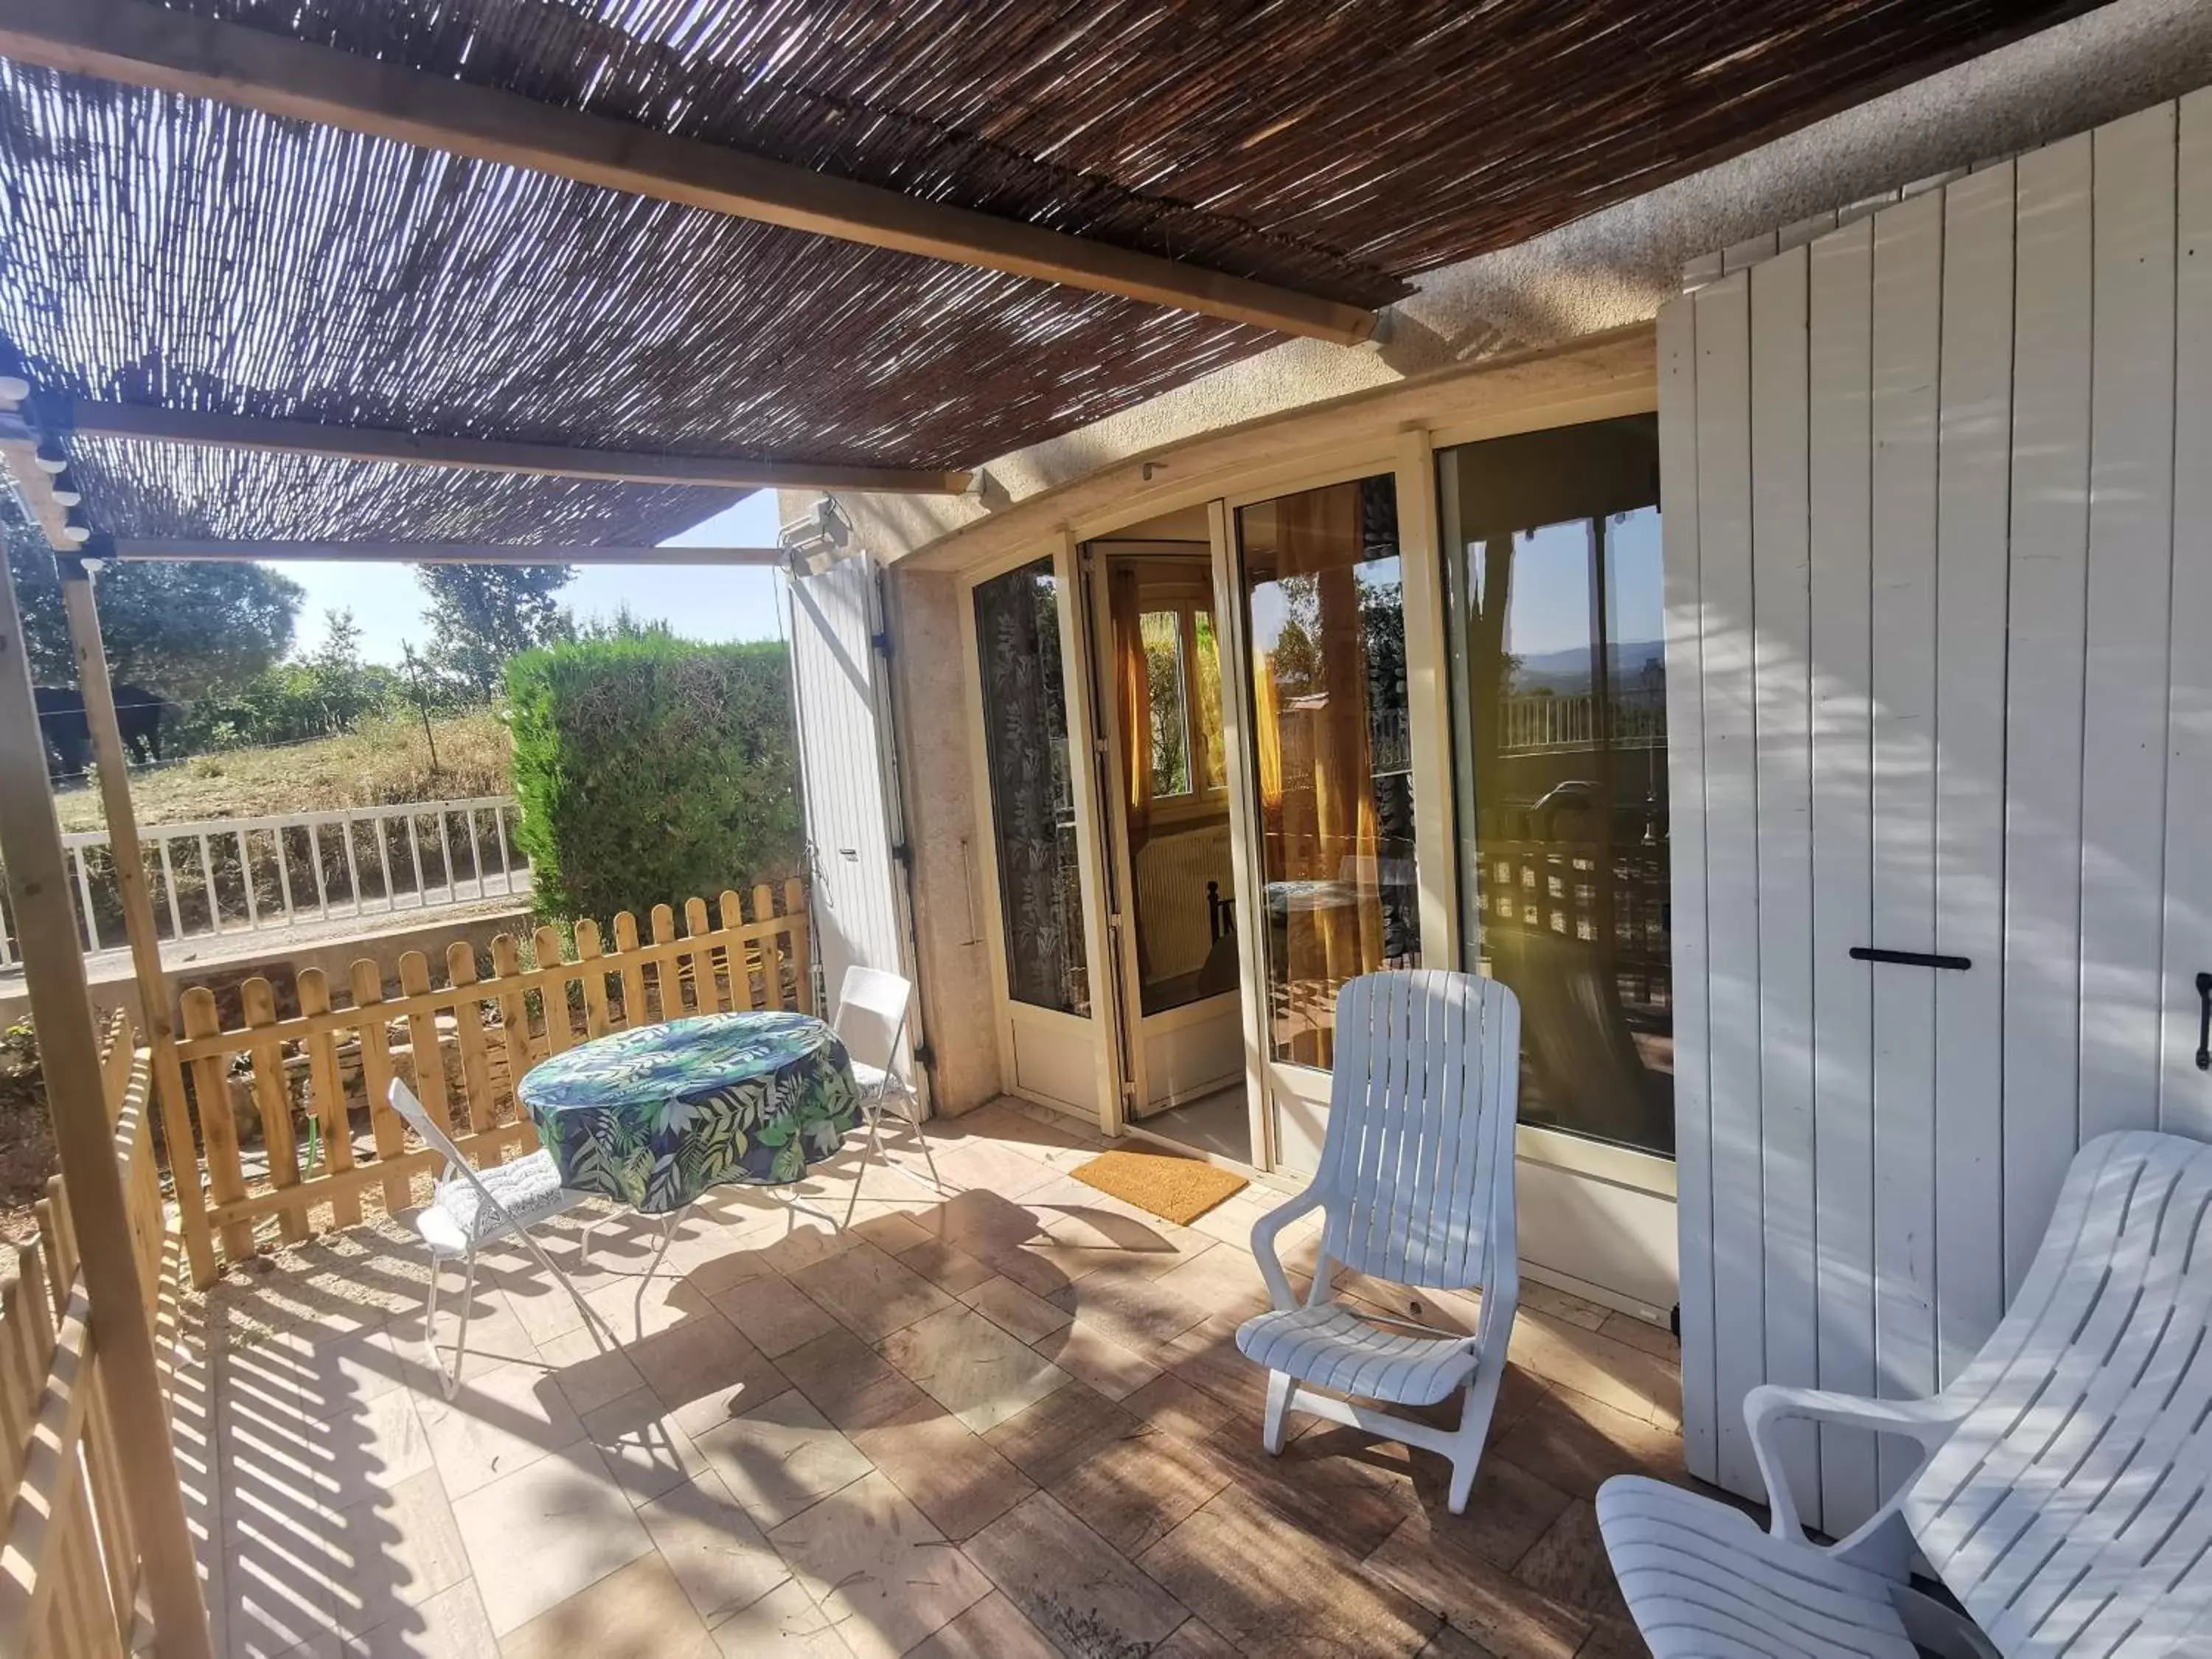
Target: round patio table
654, 1117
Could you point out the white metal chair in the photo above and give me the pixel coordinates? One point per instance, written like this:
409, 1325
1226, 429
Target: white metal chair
871, 1022
1416, 1185
470, 1209
2064, 1489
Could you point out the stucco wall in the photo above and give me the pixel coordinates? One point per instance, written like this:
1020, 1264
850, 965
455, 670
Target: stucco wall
952, 956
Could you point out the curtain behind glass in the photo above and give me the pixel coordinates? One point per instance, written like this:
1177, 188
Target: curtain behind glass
1132, 678
1328, 636
1032, 807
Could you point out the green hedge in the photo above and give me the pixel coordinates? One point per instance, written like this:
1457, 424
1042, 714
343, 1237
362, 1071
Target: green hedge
652, 769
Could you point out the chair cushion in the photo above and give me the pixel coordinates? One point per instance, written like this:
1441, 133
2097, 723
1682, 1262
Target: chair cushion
1701, 1579
528, 1190
1333, 1347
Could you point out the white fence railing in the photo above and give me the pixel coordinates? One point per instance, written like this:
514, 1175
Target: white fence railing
222, 876
1577, 720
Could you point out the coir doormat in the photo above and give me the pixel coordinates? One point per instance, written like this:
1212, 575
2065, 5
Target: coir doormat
1177, 1190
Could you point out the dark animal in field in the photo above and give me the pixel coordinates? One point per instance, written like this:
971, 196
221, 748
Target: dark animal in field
138, 715
61, 718
68, 734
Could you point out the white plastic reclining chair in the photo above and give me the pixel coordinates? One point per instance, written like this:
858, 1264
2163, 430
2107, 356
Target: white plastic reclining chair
1416, 1185
2064, 1490
469, 1209
872, 1009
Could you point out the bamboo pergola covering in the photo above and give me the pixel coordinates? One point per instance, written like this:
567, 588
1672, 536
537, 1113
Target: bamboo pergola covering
159, 249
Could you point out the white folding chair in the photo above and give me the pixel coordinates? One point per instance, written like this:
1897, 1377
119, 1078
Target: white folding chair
1416, 1186
469, 1209
872, 1009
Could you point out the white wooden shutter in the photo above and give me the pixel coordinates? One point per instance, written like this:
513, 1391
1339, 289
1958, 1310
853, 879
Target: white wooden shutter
858, 909
1939, 540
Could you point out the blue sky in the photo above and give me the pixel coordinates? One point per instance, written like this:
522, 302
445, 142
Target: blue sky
701, 602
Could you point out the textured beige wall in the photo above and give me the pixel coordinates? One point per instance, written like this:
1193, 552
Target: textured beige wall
952, 956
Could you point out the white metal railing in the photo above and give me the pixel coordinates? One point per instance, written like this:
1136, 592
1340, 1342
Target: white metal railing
1575, 720
245, 875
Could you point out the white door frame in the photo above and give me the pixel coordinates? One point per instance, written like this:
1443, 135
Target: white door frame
1408, 455
1140, 1029
1290, 1103
1082, 1048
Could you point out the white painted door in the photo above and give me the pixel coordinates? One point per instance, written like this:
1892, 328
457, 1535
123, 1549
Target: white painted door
848, 767
1939, 686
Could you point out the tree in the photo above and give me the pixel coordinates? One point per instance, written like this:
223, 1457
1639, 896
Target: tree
327, 691
483, 614
183, 631
341, 646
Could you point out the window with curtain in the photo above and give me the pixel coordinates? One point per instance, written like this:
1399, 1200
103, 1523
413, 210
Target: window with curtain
1327, 626
1555, 635
1032, 804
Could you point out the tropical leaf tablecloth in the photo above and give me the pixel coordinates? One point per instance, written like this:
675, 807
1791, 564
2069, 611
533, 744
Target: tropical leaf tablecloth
654, 1117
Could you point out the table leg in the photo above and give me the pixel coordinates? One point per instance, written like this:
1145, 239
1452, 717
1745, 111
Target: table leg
668, 1225
799, 1206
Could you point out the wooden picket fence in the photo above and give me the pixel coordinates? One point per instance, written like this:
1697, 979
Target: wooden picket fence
307, 1075
68, 1574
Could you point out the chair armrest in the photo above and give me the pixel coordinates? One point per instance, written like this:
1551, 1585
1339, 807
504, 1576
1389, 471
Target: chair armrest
1501, 1289
1929, 1422
1264, 1232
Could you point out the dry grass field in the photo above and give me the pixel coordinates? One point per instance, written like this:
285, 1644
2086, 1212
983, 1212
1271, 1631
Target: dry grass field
387, 760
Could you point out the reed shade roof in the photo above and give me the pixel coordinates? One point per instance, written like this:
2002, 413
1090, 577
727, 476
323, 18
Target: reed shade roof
155, 249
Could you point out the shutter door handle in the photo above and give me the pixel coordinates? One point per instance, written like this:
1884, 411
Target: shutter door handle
2204, 1022
1912, 958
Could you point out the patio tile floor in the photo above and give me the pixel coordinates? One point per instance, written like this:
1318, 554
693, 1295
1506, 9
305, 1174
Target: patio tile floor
1008, 1422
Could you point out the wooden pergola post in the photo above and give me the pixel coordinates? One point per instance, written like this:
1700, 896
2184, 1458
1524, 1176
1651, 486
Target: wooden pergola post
69, 1053
130, 858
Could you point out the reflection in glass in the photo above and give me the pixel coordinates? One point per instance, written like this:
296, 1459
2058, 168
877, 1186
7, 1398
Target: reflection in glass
1167, 678
1329, 738
1556, 641
1162, 633
1032, 807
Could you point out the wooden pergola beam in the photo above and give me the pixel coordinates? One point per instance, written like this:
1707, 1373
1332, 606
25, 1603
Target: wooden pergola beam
146, 424
190, 550
147, 46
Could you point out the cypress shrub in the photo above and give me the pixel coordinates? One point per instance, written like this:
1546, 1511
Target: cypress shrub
650, 769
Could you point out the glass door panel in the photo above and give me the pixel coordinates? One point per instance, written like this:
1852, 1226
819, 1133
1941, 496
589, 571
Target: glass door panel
1167, 678
1168, 828
1033, 820
1326, 620
1556, 642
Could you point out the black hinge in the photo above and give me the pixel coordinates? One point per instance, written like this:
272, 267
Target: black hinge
924, 1055
881, 639
903, 852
